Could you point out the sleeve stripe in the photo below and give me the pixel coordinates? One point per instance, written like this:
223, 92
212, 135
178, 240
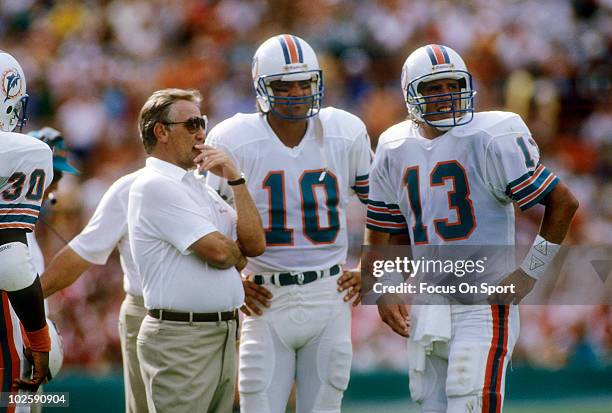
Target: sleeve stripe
383, 217
527, 191
18, 211
387, 230
384, 210
362, 183
19, 218
17, 225
543, 179
20, 206
535, 197
384, 224
361, 189
525, 180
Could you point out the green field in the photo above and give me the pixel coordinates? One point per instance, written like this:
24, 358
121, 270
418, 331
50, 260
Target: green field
588, 405
528, 390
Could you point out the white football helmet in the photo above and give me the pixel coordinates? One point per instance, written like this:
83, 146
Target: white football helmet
434, 62
286, 58
56, 355
13, 96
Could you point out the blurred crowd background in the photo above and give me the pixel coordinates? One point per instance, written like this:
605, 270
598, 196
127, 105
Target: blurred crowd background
91, 64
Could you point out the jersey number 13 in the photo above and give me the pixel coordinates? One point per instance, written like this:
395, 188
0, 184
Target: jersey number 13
458, 199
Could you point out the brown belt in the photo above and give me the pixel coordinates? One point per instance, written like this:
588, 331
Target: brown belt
193, 317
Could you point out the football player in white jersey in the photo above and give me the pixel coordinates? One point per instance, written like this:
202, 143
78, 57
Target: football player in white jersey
26, 170
302, 162
449, 176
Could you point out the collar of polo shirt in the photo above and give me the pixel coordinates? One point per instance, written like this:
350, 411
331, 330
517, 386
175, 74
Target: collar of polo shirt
166, 168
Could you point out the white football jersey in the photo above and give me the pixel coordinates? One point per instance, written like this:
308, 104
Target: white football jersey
302, 192
26, 170
457, 188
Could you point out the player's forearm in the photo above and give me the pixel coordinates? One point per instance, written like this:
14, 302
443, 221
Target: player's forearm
561, 206
29, 306
248, 228
65, 268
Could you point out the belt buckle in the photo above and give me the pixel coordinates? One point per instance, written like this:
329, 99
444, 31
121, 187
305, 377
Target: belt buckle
300, 278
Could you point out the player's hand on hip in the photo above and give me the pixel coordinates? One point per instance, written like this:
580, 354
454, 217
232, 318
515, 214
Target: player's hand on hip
394, 313
40, 362
350, 281
518, 281
216, 161
255, 297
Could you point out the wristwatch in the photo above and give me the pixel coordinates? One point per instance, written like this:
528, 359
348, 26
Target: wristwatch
239, 181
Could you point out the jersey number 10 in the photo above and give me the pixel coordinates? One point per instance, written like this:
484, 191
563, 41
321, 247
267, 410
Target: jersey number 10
277, 233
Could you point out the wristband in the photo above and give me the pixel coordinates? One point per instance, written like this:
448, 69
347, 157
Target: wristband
239, 181
39, 339
539, 257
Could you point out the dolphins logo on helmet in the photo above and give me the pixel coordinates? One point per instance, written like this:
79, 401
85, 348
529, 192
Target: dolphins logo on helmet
286, 58
13, 96
434, 62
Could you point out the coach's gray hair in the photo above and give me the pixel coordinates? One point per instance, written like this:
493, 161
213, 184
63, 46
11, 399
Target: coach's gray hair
156, 109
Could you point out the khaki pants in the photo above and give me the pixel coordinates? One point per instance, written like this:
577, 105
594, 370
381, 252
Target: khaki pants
130, 317
188, 367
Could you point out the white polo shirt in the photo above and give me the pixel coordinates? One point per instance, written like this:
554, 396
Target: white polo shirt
107, 229
169, 209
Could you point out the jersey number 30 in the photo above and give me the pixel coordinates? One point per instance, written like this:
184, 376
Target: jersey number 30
17, 182
458, 199
277, 233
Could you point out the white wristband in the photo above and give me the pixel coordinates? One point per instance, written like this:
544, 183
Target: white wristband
539, 257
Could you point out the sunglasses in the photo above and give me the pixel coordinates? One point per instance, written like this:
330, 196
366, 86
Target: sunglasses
192, 124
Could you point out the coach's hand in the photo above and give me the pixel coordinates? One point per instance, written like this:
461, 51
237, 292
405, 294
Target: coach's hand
394, 313
351, 281
254, 297
522, 283
40, 363
216, 161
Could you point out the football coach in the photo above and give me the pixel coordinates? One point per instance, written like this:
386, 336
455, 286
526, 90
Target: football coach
189, 246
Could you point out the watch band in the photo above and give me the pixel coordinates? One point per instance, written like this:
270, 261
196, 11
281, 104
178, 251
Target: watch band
239, 181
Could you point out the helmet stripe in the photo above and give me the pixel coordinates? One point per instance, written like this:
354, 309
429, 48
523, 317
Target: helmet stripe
299, 49
285, 50
432, 57
445, 53
292, 48
437, 50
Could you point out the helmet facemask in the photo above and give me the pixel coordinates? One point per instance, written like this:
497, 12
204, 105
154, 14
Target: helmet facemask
268, 102
16, 116
461, 115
